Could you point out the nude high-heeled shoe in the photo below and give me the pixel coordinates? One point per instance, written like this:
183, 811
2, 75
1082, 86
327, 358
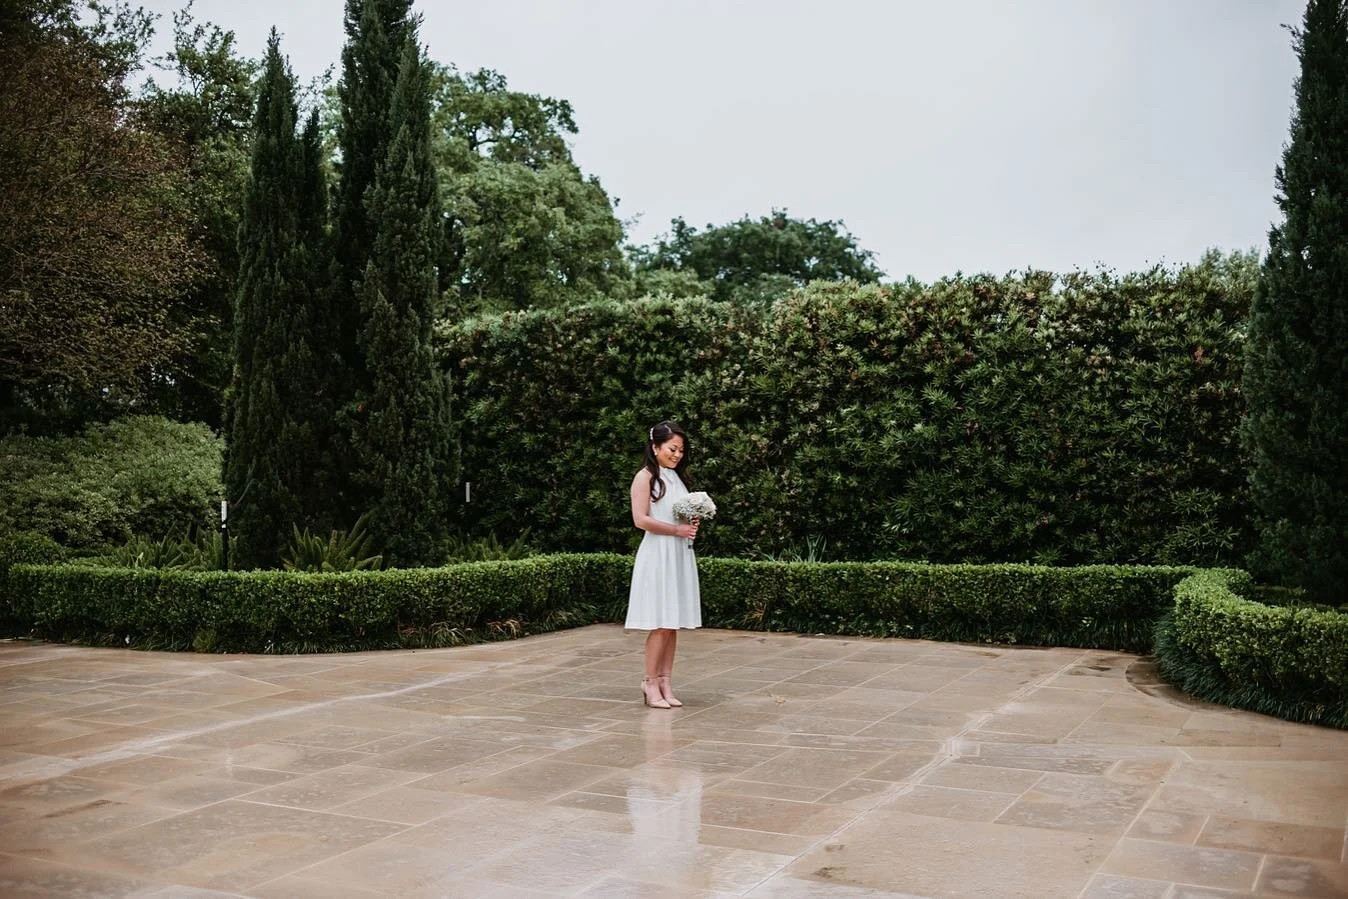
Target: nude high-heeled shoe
667, 693
650, 693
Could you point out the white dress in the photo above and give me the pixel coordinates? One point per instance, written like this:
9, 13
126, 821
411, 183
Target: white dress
665, 591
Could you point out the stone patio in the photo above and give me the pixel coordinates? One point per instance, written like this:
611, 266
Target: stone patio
800, 767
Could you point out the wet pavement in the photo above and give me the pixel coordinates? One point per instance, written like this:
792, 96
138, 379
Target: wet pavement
798, 767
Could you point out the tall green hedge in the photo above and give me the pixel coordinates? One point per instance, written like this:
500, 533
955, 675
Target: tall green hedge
1059, 420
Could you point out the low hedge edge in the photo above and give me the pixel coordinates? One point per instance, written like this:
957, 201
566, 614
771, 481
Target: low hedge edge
1106, 607
1284, 661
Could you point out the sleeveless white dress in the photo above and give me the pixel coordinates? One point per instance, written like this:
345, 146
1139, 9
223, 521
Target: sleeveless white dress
665, 591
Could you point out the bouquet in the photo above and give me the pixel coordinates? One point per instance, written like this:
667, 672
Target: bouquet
694, 506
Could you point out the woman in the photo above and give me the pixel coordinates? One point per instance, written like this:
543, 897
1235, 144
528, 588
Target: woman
665, 594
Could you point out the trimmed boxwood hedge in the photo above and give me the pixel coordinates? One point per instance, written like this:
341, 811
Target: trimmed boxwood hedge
1112, 607
1100, 606
287, 611
1287, 661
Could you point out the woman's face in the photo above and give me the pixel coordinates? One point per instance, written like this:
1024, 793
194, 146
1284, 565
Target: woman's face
670, 452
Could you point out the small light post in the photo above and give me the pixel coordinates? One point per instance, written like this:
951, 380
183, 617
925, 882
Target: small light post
224, 534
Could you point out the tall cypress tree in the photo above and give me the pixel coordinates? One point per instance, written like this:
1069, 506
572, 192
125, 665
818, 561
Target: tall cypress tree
1296, 373
375, 33
402, 434
278, 415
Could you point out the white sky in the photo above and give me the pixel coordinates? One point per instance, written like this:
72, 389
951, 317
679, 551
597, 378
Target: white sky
948, 135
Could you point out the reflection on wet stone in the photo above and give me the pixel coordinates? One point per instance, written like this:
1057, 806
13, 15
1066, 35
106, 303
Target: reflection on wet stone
799, 767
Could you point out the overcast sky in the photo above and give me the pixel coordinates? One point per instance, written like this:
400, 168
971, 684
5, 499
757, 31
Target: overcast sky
948, 135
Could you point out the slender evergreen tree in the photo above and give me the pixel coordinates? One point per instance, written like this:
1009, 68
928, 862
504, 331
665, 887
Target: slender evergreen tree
375, 33
279, 412
402, 433
1296, 374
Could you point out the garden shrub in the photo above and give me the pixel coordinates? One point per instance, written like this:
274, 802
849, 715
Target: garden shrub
1290, 661
21, 549
1102, 606
137, 476
292, 611
1032, 418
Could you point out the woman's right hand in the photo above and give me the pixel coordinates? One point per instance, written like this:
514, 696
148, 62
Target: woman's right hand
686, 531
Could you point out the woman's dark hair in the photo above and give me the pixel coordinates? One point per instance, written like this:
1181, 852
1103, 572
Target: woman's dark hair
658, 436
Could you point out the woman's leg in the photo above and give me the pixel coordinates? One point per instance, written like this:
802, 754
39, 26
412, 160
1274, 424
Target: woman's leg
650, 684
667, 667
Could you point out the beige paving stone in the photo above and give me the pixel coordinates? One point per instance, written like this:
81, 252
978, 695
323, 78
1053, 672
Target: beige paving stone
1274, 838
1079, 804
36, 877
982, 777
800, 767
233, 845
929, 856
1303, 877
1313, 793
1112, 886
947, 802
1171, 827
1196, 865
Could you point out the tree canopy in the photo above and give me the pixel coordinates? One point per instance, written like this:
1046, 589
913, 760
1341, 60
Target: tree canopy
752, 258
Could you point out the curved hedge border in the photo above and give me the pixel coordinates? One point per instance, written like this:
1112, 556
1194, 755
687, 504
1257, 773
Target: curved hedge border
285, 611
1111, 607
1279, 660
1284, 661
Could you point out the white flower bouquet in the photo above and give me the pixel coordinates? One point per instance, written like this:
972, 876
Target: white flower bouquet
694, 506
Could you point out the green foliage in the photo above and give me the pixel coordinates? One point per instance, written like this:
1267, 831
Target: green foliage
1107, 607
400, 425
527, 228
278, 467
291, 611
1080, 419
204, 553
135, 475
205, 109
375, 34
754, 261
1100, 606
1289, 661
21, 549
1296, 378
487, 549
352, 550
95, 237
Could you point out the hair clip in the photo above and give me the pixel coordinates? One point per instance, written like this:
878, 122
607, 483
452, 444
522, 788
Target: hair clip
652, 435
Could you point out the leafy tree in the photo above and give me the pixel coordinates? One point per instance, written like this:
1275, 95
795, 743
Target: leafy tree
281, 411
95, 240
526, 226
207, 114
1296, 374
752, 259
402, 418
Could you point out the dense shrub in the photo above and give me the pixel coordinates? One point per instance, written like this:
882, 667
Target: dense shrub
21, 549
139, 475
286, 611
1069, 420
1098, 606
1101, 606
1290, 661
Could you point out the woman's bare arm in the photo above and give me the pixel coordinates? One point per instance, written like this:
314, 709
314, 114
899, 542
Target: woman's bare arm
641, 511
